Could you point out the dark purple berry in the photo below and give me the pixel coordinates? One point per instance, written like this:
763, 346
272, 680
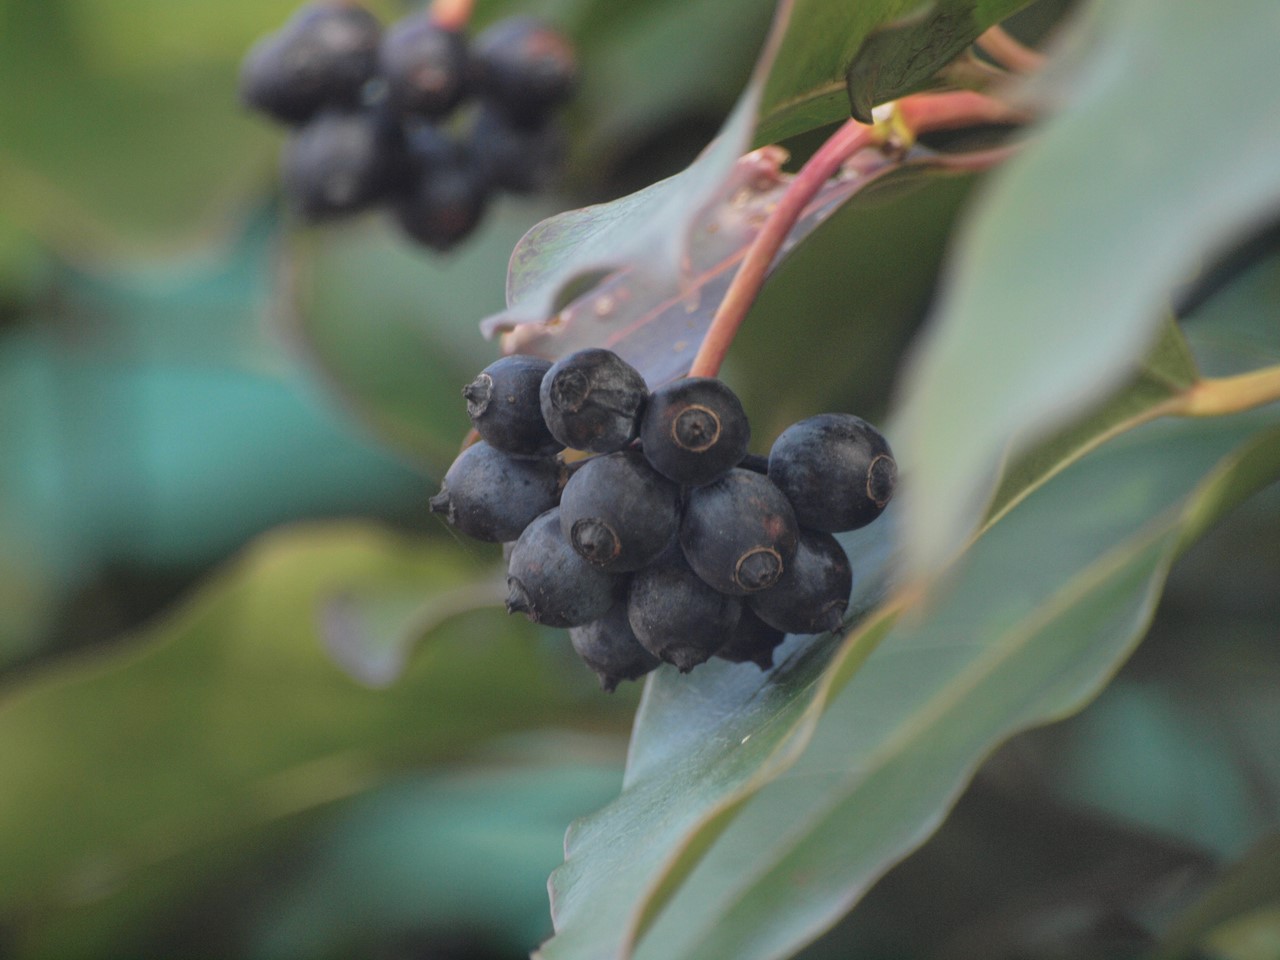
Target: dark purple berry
753, 641
491, 496
592, 400
694, 430
514, 158
342, 162
424, 65
442, 206
813, 592
836, 469
739, 533
524, 66
548, 582
618, 512
321, 58
610, 648
676, 616
502, 403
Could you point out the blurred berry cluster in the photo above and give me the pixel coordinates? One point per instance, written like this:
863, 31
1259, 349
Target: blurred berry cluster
415, 116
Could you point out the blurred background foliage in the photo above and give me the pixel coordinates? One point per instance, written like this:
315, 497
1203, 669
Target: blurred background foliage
184, 771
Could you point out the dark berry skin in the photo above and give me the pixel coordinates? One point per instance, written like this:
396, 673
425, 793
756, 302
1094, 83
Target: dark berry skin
502, 403
513, 158
548, 582
342, 162
525, 67
618, 512
321, 58
694, 430
812, 594
676, 616
442, 206
592, 400
753, 641
610, 648
739, 533
424, 65
836, 469
491, 496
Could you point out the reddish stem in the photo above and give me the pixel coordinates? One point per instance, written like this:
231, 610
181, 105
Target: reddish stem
915, 114
1010, 52
451, 15
746, 284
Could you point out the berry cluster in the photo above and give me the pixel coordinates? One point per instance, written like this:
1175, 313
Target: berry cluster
671, 543
376, 119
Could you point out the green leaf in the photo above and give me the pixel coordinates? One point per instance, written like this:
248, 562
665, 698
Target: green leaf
1038, 318
438, 852
1250, 883
752, 819
393, 328
886, 47
226, 716
903, 56
128, 126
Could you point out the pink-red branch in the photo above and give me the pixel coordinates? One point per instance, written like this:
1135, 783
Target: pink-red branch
915, 114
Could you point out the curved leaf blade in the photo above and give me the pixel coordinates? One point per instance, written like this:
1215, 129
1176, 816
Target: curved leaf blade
1038, 318
1076, 568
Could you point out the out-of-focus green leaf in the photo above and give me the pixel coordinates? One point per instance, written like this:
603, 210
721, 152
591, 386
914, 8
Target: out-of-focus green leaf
371, 630
465, 850
1039, 319
227, 715
128, 124
393, 329
739, 849
1249, 884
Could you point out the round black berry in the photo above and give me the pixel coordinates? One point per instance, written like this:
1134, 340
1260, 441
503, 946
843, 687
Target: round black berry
502, 403
618, 512
610, 648
592, 399
424, 65
739, 533
813, 592
491, 496
694, 430
341, 162
676, 615
525, 67
321, 58
836, 469
753, 641
443, 205
551, 584
514, 158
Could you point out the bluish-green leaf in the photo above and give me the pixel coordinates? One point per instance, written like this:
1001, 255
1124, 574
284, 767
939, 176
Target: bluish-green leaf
1048, 303
724, 844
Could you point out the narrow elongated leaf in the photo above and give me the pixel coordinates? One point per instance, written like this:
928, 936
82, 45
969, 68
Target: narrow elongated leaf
1041, 612
1038, 318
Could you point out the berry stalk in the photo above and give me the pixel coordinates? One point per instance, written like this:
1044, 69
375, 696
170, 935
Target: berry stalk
451, 14
907, 118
